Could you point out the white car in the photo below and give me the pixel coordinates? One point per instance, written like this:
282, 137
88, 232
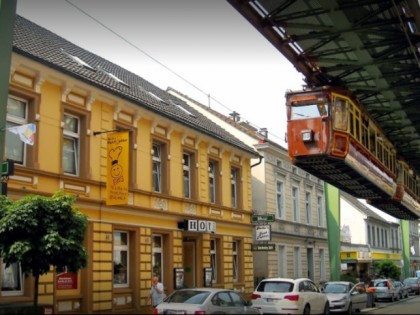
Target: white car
205, 301
290, 296
345, 297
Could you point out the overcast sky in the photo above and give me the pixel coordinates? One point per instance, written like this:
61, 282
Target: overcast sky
199, 47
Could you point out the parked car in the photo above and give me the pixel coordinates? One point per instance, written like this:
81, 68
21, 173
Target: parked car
402, 289
290, 296
413, 284
385, 290
345, 297
205, 301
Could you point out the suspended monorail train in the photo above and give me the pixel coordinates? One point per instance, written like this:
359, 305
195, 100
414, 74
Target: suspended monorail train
332, 137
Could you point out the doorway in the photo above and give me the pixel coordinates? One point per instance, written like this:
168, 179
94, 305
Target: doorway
189, 259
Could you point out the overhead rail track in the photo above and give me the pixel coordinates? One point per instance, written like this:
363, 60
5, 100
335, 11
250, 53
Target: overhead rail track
370, 48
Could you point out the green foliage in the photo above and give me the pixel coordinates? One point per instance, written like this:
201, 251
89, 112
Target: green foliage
39, 232
348, 277
388, 269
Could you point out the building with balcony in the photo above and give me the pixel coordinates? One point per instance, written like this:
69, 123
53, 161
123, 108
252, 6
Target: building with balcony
185, 210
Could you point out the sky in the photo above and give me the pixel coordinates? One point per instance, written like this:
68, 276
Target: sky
204, 49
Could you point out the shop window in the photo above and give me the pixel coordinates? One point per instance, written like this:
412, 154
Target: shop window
121, 259
11, 280
214, 258
157, 259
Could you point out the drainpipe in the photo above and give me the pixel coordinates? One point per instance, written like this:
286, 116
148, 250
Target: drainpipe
259, 162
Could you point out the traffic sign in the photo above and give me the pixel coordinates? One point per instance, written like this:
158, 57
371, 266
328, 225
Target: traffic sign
257, 218
8, 168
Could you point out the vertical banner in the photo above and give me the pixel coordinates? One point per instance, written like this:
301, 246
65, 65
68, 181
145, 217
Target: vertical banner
405, 233
117, 169
332, 203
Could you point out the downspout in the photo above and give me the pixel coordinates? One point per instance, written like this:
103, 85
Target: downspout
259, 162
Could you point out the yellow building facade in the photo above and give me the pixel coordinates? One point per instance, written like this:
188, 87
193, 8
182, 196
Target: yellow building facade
188, 214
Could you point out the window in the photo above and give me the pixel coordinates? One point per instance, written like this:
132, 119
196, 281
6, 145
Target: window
322, 264
212, 181
121, 259
234, 187
71, 147
159, 158
157, 258
214, 259
282, 261
320, 211
186, 163
11, 280
280, 199
235, 260
17, 114
297, 263
295, 203
308, 207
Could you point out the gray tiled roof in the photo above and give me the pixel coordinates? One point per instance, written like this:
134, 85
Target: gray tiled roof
43, 46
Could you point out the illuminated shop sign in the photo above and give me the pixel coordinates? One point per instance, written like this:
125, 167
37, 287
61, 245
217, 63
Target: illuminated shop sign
198, 226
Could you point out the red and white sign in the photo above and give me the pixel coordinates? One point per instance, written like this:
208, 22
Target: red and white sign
66, 281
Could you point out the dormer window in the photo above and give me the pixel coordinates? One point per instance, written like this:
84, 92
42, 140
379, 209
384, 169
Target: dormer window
79, 61
112, 76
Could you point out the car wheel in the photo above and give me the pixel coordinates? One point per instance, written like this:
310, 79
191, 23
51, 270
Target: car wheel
307, 310
327, 309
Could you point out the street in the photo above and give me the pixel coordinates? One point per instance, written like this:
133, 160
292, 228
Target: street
404, 306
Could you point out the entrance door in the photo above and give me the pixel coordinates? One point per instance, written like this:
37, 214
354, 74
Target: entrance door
189, 264
310, 257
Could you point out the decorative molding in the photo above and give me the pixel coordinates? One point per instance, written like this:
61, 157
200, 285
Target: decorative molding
160, 203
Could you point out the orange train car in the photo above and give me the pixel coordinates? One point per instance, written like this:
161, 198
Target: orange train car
332, 137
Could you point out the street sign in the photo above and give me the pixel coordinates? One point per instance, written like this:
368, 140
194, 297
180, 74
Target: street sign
7, 168
263, 247
257, 218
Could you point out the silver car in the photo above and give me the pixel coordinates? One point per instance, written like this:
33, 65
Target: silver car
385, 290
205, 301
345, 297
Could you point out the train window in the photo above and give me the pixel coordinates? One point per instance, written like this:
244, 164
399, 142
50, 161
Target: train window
340, 114
308, 111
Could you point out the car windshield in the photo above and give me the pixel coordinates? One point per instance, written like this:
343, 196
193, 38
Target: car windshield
381, 284
336, 288
275, 286
188, 296
410, 281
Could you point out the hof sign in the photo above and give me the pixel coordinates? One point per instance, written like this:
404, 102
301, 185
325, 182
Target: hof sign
263, 233
198, 226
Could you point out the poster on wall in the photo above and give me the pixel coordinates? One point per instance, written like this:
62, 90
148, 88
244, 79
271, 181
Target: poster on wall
179, 278
66, 281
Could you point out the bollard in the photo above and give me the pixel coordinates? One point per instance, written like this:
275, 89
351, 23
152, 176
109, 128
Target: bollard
370, 301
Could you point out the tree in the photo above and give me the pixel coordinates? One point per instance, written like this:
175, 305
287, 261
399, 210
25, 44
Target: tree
388, 269
39, 232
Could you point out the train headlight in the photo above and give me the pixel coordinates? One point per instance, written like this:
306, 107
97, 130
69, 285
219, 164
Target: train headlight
307, 135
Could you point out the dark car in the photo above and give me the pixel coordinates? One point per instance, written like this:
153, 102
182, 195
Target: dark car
413, 284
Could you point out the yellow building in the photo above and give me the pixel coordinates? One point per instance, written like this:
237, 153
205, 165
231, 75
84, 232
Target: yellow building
186, 212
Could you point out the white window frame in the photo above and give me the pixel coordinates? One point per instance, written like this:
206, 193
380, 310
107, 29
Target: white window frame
74, 138
280, 199
234, 187
157, 167
122, 248
157, 251
15, 121
186, 174
308, 207
295, 204
213, 259
212, 181
282, 261
235, 260
9, 276
320, 210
